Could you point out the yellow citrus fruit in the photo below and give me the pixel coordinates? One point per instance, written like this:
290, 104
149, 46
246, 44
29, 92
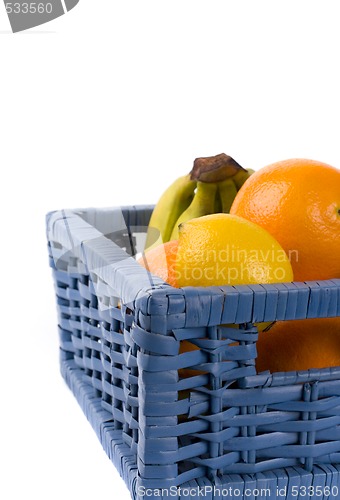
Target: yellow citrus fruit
224, 249
298, 202
161, 261
218, 243
299, 345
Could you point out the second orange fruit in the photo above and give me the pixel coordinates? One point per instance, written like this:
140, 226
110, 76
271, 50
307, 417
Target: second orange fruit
299, 345
161, 261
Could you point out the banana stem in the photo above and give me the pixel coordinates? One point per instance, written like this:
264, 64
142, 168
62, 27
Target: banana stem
215, 168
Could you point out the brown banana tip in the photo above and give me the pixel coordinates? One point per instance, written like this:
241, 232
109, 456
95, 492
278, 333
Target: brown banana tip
214, 168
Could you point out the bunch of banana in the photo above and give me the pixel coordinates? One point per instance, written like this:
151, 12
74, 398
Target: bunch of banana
209, 188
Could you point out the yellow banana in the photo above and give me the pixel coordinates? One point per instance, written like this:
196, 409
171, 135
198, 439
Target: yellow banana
173, 202
202, 204
218, 178
241, 177
227, 191
218, 203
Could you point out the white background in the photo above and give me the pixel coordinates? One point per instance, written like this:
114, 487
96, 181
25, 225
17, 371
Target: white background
106, 106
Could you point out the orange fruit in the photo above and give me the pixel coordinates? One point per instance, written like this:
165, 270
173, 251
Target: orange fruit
161, 261
299, 345
298, 202
187, 346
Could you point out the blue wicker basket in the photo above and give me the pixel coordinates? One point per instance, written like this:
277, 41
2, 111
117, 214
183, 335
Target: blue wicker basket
228, 432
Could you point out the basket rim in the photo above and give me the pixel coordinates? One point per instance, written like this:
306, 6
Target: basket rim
151, 295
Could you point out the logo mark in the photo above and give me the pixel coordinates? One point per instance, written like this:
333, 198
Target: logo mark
24, 15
